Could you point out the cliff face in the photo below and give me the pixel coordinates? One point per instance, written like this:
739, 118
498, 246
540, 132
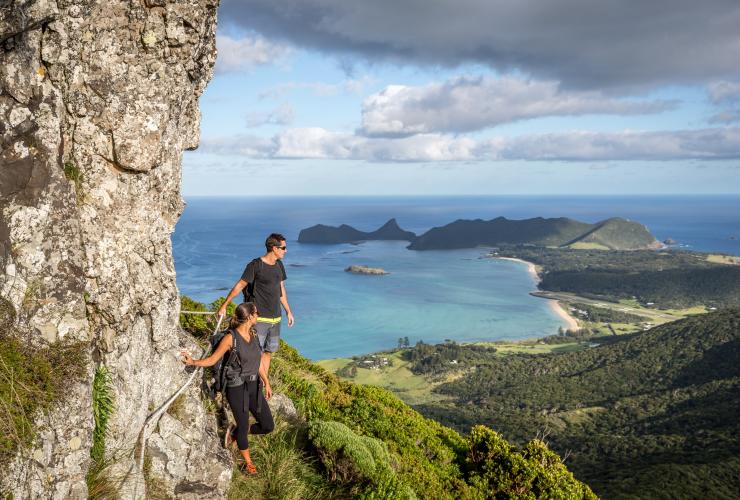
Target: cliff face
97, 102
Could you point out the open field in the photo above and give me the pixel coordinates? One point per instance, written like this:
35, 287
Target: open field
724, 259
412, 389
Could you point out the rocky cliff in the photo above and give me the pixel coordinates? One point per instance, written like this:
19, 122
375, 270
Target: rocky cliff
98, 100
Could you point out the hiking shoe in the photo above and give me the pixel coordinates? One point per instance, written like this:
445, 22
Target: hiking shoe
229, 436
248, 469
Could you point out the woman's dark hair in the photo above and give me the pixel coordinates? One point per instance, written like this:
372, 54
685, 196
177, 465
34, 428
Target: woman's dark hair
274, 240
242, 312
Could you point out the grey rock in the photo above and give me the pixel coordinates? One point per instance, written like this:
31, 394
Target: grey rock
97, 102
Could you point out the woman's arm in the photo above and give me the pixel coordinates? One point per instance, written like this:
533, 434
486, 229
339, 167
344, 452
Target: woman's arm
211, 360
265, 381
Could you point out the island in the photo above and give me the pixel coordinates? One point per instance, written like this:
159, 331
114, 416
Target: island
366, 270
329, 235
610, 234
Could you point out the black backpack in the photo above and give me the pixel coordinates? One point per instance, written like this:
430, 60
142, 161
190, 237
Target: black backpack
227, 369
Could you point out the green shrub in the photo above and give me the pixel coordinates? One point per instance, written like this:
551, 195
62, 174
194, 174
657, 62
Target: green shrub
356, 459
498, 470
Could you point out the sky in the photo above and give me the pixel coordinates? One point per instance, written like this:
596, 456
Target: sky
478, 97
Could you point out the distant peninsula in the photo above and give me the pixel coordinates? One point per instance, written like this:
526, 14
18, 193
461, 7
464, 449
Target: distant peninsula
329, 235
611, 234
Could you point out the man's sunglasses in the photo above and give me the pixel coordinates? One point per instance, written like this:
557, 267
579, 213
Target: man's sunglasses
281, 248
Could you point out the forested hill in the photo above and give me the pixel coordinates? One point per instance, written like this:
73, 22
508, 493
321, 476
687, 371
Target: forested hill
651, 415
610, 234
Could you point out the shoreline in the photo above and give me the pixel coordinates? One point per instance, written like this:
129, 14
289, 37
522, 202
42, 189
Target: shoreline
555, 305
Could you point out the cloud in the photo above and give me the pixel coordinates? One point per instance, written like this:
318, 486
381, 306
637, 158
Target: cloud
282, 115
319, 143
319, 89
584, 43
467, 103
706, 144
243, 54
724, 92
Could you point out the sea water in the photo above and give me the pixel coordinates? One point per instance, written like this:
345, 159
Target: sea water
431, 296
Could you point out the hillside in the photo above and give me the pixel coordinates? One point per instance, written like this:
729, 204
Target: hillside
321, 234
611, 234
362, 441
649, 415
666, 280
617, 234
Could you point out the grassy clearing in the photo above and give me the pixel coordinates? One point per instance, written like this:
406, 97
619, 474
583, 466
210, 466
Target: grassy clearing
582, 245
724, 259
397, 377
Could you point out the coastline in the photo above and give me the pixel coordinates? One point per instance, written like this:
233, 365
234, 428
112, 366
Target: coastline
555, 305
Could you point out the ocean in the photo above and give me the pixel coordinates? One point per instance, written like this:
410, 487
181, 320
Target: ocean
431, 296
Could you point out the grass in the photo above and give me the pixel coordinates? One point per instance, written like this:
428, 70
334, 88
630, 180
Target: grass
284, 470
32, 379
98, 481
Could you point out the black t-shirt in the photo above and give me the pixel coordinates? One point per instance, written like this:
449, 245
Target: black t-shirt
263, 283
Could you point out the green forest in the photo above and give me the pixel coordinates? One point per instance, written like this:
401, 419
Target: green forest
649, 415
667, 280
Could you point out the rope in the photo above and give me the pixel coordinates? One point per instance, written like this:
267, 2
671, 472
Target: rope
156, 414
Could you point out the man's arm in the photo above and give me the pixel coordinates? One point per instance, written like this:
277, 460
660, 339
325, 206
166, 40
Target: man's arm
238, 287
284, 302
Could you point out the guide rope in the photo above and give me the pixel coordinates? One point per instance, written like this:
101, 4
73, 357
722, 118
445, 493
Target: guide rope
154, 417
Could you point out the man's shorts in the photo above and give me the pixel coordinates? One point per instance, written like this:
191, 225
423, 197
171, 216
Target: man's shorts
268, 335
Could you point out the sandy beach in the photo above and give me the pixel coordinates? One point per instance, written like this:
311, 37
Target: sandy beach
556, 306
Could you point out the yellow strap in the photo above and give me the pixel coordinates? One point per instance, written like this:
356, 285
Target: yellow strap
272, 321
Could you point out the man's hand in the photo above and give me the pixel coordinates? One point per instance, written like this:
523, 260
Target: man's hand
268, 391
222, 309
290, 319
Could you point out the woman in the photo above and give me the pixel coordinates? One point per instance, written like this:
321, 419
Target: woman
243, 392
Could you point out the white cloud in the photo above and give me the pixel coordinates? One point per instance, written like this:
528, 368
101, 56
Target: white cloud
466, 103
243, 54
318, 143
282, 115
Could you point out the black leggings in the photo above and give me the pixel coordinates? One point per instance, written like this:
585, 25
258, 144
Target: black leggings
251, 393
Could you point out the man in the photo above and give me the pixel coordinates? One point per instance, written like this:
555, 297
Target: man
263, 283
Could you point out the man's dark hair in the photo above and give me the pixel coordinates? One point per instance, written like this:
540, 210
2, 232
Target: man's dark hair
274, 240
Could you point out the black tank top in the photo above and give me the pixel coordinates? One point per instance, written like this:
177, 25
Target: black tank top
249, 354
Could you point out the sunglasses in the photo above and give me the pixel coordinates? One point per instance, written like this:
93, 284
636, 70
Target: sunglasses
281, 248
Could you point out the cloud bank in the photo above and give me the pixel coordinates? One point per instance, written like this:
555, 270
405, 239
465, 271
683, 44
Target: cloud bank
318, 143
583, 43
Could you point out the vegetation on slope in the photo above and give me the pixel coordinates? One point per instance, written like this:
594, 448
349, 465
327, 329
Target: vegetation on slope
32, 380
664, 279
372, 445
651, 414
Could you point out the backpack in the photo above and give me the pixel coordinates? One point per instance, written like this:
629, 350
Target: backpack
227, 370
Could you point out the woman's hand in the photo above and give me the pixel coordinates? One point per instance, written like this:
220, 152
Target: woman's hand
186, 358
268, 391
